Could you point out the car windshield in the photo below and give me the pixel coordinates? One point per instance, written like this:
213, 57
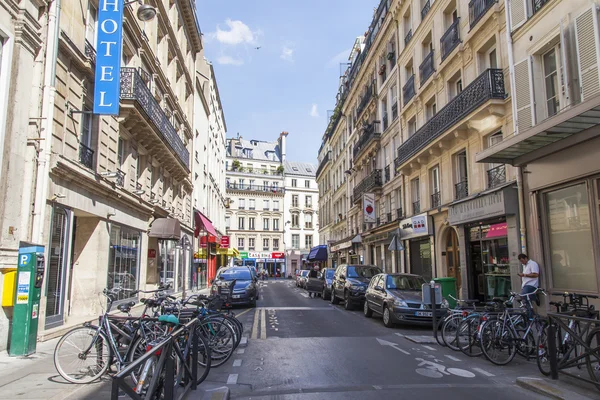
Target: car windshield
305, 272
239, 274
329, 273
363, 272
404, 282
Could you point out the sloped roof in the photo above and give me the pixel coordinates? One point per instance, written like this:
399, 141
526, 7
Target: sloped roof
260, 149
300, 168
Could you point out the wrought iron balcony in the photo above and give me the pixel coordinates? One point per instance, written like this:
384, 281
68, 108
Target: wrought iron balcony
427, 67
120, 178
399, 213
425, 9
373, 181
416, 207
370, 133
408, 37
496, 176
134, 88
477, 9
450, 39
487, 86
366, 98
387, 173
323, 163
408, 91
436, 200
254, 188
395, 111
461, 190
90, 52
537, 5
86, 156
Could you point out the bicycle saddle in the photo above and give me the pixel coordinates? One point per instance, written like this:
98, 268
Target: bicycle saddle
169, 319
125, 308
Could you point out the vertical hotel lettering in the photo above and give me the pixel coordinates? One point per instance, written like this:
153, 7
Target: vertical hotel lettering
109, 46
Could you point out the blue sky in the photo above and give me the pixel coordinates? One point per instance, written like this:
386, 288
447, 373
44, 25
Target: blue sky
291, 81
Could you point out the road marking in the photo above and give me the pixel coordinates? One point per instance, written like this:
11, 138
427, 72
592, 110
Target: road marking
399, 334
453, 358
243, 312
263, 324
429, 348
482, 372
304, 295
255, 325
237, 363
298, 308
392, 344
241, 351
376, 387
232, 379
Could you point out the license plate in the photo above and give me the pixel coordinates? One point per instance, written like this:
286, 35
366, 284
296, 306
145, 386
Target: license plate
423, 313
237, 296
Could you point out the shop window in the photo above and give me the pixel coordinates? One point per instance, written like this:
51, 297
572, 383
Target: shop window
167, 269
570, 240
123, 259
490, 270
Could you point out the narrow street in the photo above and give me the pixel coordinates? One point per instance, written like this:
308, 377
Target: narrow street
305, 348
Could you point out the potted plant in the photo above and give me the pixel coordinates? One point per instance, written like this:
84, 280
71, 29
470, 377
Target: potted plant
250, 169
390, 55
280, 170
235, 165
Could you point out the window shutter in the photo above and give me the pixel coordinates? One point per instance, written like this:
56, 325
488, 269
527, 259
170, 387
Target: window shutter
518, 13
523, 95
586, 38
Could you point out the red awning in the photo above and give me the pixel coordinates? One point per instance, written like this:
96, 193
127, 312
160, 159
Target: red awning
497, 230
203, 223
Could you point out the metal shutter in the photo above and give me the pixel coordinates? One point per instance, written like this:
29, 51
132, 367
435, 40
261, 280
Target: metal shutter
523, 95
586, 38
518, 13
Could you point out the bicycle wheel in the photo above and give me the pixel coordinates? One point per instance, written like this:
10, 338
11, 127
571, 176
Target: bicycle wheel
221, 340
204, 359
438, 335
467, 337
543, 357
82, 355
498, 342
449, 330
593, 360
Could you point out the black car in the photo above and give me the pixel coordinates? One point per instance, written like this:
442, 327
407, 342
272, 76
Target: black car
350, 283
327, 278
398, 298
245, 290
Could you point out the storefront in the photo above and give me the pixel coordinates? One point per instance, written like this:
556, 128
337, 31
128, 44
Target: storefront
380, 253
272, 263
318, 256
488, 236
208, 241
341, 251
416, 234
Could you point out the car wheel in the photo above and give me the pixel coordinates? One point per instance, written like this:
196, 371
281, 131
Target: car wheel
334, 300
324, 294
347, 302
387, 317
367, 310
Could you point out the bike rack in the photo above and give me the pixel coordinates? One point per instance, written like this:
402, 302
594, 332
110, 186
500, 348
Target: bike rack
166, 362
580, 338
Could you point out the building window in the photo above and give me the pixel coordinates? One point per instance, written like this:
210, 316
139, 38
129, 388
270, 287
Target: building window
91, 24
295, 220
308, 200
570, 238
275, 224
241, 223
416, 196
307, 184
227, 222
251, 225
265, 244
275, 205
265, 185
266, 224
266, 205
123, 259
434, 179
242, 204
251, 244
308, 241
294, 183
295, 200
308, 221
431, 109
551, 82
120, 153
296, 241
240, 243
275, 244
252, 205
412, 126
460, 170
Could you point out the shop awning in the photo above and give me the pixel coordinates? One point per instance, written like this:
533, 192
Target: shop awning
229, 252
318, 253
520, 149
165, 228
203, 223
357, 239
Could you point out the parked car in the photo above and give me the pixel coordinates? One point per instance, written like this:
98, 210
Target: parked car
327, 277
245, 290
398, 298
350, 283
302, 278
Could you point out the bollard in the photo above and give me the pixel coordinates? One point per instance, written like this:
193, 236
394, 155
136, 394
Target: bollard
433, 309
552, 350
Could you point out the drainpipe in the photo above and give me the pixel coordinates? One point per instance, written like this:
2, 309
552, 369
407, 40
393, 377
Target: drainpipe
47, 123
513, 85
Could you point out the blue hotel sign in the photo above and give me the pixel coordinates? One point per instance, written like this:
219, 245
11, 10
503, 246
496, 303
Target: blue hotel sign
109, 47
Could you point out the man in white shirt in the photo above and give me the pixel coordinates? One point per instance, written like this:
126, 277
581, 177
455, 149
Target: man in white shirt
530, 275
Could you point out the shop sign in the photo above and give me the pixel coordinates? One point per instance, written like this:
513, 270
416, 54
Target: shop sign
419, 225
488, 206
224, 242
257, 254
277, 255
109, 46
243, 255
369, 208
151, 253
341, 246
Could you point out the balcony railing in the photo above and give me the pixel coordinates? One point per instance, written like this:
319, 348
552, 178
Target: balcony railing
408, 37
255, 171
134, 88
366, 99
86, 156
537, 5
120, 178
487, 86
254, 188
436, 200
370, 133
416, 207
90, 52
399, 213
461, 190
427, 68
387, 173
323, 163
373, 181
395, 111
451, 39
477, 9
496, 176
408, 91
425, 9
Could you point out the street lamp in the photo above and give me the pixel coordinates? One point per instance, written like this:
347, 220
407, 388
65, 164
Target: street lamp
145, 12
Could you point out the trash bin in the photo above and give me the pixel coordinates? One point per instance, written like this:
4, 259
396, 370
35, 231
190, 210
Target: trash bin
448, 287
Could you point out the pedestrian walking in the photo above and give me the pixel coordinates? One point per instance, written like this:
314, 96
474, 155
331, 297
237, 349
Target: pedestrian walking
529, 276
314, 273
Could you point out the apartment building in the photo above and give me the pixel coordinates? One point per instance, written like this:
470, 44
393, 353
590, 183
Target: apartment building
423, 94
301, 228
255, 199
556, 141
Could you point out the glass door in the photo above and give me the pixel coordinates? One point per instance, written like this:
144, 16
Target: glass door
57, 267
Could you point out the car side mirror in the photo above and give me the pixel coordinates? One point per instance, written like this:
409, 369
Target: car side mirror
379, 288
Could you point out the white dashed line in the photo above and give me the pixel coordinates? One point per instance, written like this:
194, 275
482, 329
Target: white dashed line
482, 372
237, 363
241, 351
232, 379
453, 358
430, 348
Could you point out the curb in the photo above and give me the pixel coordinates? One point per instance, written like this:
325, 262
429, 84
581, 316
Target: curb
550, 389
221, 393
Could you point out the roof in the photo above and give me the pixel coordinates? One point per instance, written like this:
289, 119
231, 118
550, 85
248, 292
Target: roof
259, 149
300, 168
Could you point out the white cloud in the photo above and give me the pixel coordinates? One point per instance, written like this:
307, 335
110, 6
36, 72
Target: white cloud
237, 32
314, 112
228, 60
341, 57
287, 54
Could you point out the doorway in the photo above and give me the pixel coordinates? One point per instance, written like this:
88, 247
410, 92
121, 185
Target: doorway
58, 261
453, 258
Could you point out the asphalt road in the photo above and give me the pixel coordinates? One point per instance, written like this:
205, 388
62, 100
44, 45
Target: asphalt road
305, 348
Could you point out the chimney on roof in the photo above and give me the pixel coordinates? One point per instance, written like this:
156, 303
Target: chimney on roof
282, 140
